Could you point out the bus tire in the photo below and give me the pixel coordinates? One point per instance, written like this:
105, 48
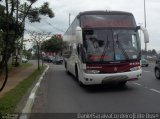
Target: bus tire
77, 77
122, 83
157, 73
81, 84
67, 68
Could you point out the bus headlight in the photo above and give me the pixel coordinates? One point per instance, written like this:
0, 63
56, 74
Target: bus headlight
135, 68
91, 71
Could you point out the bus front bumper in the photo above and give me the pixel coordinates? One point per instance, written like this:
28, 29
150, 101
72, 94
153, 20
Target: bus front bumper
89, 79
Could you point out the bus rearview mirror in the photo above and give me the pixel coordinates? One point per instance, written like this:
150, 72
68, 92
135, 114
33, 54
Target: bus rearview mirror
146, 35
79, 35
138, 28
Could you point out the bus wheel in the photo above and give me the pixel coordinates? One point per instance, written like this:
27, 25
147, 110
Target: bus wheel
157, 73
122, 83
81, 84
77, 77
67, 68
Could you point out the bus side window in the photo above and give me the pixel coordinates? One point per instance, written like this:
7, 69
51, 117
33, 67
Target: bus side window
79, 51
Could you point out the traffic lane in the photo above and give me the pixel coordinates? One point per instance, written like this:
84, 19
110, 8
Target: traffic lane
60, 90
130, 98
66, 96
150, 67
149, 80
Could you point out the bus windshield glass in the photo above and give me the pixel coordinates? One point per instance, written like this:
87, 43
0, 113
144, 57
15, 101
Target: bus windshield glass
111, 45
105, 21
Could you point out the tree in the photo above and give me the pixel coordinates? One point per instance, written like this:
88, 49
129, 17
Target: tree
37, 38
154, 52
149, 52
27, 53
54, 44
12, 19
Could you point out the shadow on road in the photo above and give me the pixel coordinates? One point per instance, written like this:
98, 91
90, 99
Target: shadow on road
109, 87
100, 88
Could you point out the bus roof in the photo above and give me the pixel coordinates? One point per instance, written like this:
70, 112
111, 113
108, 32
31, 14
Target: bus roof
107, 19
117, 22
98, 12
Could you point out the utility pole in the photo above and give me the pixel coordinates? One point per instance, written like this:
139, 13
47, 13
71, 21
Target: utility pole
145, 21
22, 40
69, 19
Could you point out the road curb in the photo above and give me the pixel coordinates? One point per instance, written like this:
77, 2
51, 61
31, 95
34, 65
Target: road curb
28, 107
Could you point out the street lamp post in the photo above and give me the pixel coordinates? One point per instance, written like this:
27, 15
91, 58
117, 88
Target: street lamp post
145, 21
69, 19
145, 13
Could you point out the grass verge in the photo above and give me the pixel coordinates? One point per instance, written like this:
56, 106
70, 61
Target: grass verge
26, 65
10, 100
23, 65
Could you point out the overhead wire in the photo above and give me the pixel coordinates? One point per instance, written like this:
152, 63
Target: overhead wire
58, 29
45, 21
34, 26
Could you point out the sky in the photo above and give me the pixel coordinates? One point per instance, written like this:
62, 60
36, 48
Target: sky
62, 9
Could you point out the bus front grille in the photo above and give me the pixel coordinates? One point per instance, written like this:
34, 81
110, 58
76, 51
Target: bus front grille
115, 78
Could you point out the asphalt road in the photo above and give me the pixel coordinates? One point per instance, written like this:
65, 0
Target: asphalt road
60, 93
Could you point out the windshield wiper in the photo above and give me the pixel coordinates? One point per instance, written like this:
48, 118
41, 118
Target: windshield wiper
105, 48
120, 46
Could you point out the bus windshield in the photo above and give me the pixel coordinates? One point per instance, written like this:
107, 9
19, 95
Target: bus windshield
111, 45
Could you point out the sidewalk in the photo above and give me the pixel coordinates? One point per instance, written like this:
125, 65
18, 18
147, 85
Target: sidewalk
16, 75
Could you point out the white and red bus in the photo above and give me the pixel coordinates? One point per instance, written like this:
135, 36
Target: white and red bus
104, 46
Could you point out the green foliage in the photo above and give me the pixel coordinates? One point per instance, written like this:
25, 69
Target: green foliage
11, 25
12, 18
32, 1
149, 52
10, 31
33, 15
27, 53
52, 45
44, 10
2, 8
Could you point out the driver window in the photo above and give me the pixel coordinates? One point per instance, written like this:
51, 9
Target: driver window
92, 44
134, 42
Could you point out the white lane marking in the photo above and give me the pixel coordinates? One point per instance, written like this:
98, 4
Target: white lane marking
157, 91
146, 71
37, 84
137, 84
32, 95
41, 78
151, 89
30, 101
43, 74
